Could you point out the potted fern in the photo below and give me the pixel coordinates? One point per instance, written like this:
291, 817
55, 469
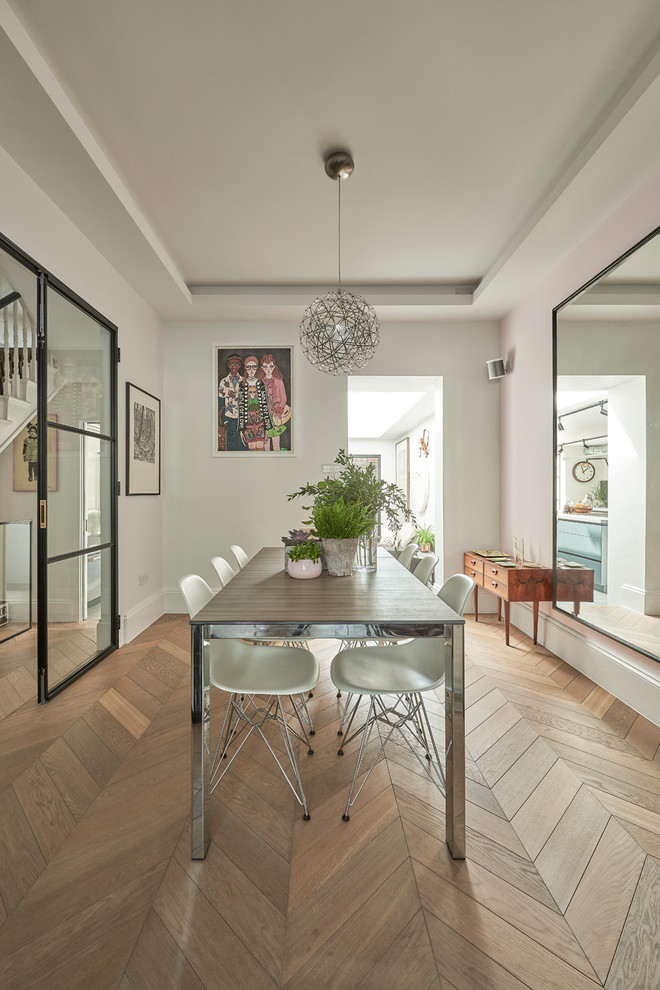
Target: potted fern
354, 485
339, 525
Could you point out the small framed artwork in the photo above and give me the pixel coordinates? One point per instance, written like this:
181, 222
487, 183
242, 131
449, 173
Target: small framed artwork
253, 409
364, 460
142, 442
403, 467
26, 458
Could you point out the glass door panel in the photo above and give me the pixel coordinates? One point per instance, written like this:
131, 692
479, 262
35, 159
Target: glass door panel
80, 354
18, 477
80, 506
78, 541
79, 613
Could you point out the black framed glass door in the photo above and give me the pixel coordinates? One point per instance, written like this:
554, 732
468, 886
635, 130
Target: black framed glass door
77, 490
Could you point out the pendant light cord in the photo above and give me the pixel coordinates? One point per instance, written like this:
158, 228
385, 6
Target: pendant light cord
339, 233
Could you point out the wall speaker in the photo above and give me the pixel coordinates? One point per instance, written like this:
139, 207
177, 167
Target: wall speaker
496, 368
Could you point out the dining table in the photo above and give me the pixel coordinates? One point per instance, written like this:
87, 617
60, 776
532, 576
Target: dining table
263, 602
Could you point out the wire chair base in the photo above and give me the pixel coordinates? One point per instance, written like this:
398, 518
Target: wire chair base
407, 715
243, 716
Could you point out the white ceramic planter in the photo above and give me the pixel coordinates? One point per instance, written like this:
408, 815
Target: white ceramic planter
304, 568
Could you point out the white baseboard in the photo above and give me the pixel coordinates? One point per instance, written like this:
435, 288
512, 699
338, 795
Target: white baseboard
174, 603
630, 676
651, 602
633, 598
139, 618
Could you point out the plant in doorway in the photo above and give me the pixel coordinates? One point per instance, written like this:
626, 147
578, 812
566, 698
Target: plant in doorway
425, 538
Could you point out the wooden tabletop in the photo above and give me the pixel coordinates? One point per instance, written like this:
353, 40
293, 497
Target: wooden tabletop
263, 596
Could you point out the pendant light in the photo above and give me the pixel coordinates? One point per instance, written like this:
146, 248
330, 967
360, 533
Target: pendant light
339, 330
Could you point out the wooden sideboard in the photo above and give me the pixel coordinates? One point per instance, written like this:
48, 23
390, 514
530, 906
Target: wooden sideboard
526, 583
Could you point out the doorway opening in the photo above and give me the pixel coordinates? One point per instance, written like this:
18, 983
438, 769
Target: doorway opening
399, 420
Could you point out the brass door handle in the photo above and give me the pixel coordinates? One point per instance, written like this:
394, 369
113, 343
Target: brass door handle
42, 514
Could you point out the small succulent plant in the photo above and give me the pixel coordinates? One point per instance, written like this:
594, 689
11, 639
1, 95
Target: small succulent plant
297, 536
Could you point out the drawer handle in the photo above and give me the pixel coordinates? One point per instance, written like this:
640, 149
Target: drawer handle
494, 584
473, 562
495, 571
473, 573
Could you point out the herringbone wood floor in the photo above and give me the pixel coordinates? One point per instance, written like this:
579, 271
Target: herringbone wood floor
560, 890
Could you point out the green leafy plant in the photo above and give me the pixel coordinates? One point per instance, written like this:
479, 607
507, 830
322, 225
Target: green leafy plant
341, 520
354, 485
309, 550
425, 535
598, 494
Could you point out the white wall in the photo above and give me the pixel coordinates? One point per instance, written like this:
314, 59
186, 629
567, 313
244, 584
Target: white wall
627, 495
212, 502
40, 229
527, 429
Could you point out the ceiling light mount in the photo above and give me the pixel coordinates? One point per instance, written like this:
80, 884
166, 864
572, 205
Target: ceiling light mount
339, 165
339, 331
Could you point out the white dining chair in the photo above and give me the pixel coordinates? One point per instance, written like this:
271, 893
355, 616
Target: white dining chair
425, 567
256, 678
240, 555
422, 572
223, 569
407, 554
225, 572
395, 679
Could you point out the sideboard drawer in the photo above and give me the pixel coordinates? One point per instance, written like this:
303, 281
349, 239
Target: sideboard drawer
474, 568
496, 579
498, 584
496, 572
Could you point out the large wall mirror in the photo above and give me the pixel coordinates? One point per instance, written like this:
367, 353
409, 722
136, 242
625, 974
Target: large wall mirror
607, 450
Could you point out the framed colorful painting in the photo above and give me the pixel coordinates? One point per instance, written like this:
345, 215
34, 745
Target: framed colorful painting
253, 411
26, 458
142, 442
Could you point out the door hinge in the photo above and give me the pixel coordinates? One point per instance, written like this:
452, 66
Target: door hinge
118, 623
119, 487
118, 355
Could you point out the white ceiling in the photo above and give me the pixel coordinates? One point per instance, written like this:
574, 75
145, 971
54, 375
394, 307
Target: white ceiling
186, 139
388, 407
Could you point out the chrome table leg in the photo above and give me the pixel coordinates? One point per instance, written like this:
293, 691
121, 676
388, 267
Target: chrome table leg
455, 740
200, 757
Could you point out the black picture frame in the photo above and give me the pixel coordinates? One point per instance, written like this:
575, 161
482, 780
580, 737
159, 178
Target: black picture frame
142, 442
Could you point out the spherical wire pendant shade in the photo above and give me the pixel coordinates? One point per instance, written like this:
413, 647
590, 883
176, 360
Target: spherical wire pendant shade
339, 331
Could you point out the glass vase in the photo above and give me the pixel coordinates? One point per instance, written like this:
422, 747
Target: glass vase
366, 558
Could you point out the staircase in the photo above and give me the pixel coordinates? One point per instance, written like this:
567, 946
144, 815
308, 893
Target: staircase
18, 365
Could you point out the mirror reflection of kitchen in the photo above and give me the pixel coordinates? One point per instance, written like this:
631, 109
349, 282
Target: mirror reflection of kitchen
607, 368
601, 495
